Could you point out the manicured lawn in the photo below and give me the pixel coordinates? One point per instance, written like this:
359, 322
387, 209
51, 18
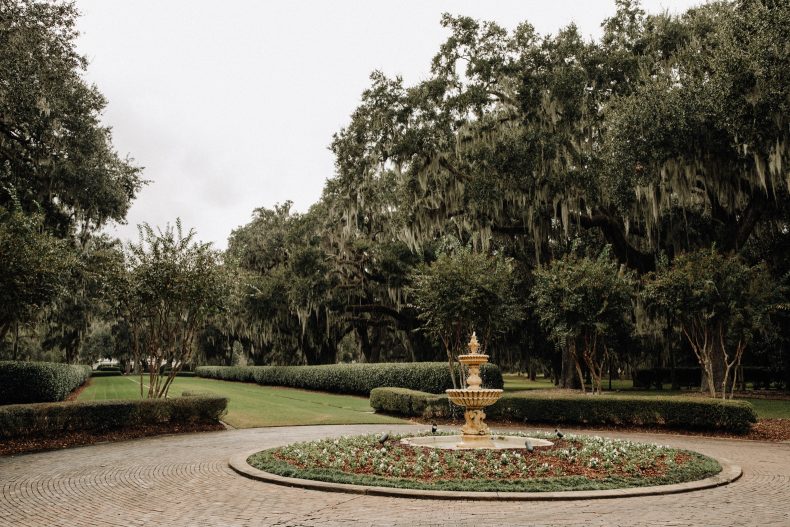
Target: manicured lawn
766, 409
251, 405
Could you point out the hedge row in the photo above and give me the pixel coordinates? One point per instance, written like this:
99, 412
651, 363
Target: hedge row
48, 419
431, 377
759, 377
38, 382
106, 373
671, 412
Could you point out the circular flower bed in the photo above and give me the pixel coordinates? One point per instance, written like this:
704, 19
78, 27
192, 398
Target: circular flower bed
575, 462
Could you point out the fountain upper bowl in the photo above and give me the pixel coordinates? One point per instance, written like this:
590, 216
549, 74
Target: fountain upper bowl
474, 398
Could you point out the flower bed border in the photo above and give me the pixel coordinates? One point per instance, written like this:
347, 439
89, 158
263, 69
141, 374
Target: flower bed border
729, 473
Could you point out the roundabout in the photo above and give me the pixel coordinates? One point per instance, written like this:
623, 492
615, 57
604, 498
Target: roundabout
575, 463
186, 480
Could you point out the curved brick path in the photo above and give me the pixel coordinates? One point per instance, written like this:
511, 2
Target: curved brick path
185, 480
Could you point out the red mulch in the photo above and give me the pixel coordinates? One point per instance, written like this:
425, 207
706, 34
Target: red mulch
19, 446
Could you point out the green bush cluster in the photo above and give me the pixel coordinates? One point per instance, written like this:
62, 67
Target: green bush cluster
670, 412
102, 373
39, 382
759, 377
409, 402
431, 377
48, 419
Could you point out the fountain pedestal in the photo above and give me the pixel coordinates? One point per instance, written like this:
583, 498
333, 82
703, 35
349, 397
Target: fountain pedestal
474, 398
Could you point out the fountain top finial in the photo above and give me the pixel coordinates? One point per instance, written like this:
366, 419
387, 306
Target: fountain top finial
473, 344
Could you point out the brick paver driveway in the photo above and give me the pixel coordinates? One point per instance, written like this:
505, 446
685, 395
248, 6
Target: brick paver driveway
185, 480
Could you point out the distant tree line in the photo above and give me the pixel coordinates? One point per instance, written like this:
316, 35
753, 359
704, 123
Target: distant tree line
587, 206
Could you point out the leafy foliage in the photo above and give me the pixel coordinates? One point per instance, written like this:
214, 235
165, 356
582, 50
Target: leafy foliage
464, 292
585, 304
55, 155
720, 303
174, 285
37, 382
33, 265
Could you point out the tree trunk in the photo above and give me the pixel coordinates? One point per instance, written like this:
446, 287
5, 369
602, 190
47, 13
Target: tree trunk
364, 342
16, 341
567, 374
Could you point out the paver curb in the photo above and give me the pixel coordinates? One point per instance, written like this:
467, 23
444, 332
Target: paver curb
729, 473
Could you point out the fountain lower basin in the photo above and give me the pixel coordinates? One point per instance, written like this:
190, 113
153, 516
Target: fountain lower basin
459, 442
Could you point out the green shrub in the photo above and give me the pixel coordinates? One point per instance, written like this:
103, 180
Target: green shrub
38, 382
691, 377
108, 367
409, 402
431, 377
670, 412
181, 374
48, 419
104, 373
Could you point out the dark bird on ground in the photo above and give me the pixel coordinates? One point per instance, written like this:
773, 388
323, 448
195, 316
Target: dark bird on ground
433, 428
530, 447
559, 434
383, 438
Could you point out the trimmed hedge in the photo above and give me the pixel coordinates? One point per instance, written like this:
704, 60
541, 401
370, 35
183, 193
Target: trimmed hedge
105, 373
671, 412
39, 382
48, 419
407, 402
431, 377
691, 377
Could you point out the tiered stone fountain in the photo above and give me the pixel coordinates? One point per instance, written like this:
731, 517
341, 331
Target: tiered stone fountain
474, 398
475, 432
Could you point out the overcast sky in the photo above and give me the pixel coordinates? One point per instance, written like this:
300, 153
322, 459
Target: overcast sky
231, 105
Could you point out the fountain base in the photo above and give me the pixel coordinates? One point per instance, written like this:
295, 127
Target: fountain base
462, 442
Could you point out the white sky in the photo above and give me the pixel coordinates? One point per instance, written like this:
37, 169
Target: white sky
231, 105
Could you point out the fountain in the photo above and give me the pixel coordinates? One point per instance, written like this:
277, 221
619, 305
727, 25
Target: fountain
474, 398
474, 433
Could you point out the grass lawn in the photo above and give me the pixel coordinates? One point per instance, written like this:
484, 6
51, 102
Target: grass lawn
766, 409
251, 405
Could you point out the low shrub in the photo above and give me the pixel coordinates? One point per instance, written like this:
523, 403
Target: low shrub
431, 377
181, 374
403, 401
670, 412
687, 377
38, 382
691, 377
104, 373
108, 367
48, 419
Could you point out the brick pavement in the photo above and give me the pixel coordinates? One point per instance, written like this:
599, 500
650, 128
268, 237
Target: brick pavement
185, 480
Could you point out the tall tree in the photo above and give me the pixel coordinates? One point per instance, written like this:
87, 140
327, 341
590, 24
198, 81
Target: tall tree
584, 303
34, 266
55, 154
465, 292
175, 285
668, 124
721, 304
